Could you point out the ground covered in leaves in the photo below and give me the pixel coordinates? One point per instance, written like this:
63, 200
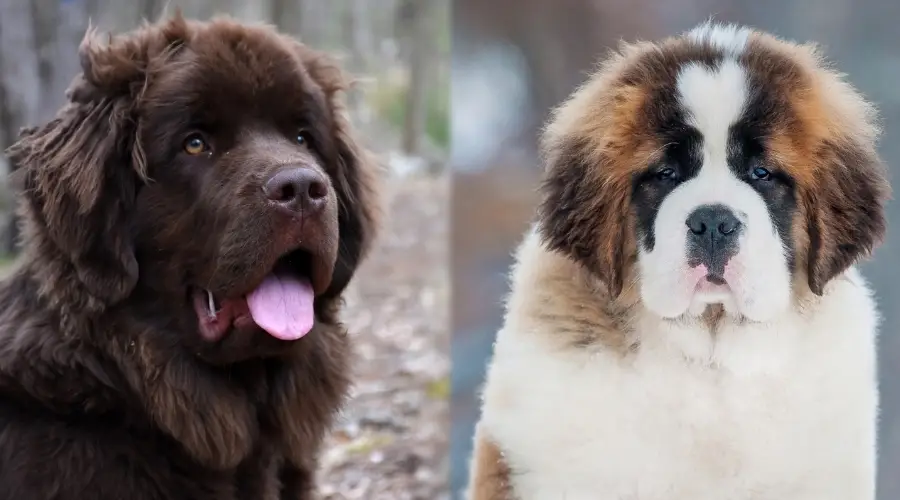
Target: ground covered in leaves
391, 442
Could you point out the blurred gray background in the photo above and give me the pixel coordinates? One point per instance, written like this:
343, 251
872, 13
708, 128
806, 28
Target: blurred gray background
514, 59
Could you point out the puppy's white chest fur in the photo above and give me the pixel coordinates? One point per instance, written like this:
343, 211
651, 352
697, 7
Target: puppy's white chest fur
756, 412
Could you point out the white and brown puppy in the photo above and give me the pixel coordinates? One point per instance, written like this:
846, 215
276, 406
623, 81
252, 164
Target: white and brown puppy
685, 320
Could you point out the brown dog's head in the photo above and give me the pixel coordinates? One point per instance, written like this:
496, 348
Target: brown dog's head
204, 174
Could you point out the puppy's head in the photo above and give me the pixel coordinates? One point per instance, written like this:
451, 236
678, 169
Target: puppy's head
720, 167
207, 168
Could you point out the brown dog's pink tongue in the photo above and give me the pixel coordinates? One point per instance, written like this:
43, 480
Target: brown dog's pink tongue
283, 306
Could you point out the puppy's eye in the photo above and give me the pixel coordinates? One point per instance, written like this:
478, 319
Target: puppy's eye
666, 174
761, 174
195, 145
302, 138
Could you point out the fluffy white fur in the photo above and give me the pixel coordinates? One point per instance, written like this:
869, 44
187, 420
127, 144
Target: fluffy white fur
762, 411
730, 38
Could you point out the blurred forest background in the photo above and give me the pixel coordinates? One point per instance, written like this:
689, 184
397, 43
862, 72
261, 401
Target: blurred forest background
392, 441
397, 49
512, 60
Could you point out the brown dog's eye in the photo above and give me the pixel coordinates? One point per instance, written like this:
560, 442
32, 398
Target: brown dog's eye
302, 138
195, 145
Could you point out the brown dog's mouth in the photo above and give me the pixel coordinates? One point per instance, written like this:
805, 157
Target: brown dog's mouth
282, 304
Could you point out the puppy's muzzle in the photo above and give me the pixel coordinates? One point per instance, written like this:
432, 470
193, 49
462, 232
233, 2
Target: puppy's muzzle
713, 232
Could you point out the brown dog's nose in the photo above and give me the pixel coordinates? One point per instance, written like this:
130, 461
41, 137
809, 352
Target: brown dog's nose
297, 189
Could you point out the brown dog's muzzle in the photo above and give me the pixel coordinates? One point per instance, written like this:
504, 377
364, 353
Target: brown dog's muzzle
284, 257
302, 210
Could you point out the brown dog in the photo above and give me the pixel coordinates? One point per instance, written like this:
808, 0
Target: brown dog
191, 219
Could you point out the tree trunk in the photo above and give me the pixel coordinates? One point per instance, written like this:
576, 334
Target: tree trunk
250, 12
115, 16
419, 40
20, 87
314, 23
19, 68
60, 27
357, 45
151, 10
287, 15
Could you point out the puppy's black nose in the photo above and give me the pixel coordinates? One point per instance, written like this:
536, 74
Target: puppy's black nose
712, 236
297, 190
713, 221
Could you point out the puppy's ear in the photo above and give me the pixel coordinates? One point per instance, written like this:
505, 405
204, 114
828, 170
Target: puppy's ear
356, 174
582, 214
846, 210
81, 171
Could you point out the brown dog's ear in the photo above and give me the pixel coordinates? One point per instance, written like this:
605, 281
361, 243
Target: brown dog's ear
355, 173
582, 214
845, 209
359, 210
81, 171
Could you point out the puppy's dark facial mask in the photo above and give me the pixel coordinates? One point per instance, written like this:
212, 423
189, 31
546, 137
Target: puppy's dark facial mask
681, 160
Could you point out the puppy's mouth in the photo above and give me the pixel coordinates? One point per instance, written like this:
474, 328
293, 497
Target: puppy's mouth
712, 283
281, 304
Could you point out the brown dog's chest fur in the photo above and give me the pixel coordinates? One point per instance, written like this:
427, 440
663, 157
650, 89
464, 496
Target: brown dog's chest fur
140, 421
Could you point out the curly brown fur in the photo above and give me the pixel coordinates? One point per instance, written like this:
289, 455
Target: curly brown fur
108, 388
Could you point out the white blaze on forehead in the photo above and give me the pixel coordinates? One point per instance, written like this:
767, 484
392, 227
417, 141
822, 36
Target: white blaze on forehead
714, 99
729, 38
